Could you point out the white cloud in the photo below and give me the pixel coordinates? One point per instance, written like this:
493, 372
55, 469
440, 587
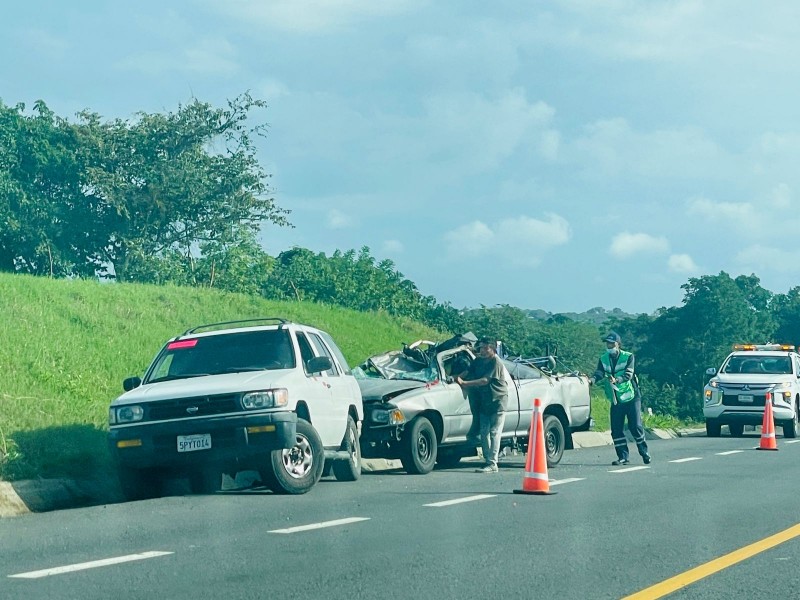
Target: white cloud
682, 263
338, 220
611, 147
481, 132
520, 240
393, 247
759, 258
781, 196
270, 89
44, 42
628, 245
311, 16
210, 56
737, 212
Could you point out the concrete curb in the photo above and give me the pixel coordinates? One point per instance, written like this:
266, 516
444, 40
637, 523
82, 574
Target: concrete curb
42, 495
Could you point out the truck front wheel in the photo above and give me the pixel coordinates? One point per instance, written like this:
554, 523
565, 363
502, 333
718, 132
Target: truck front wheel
420, 447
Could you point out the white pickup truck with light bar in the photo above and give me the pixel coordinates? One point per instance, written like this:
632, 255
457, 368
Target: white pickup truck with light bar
751, 376
265, 395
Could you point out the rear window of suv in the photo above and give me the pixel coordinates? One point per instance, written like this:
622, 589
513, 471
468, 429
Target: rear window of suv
259, 350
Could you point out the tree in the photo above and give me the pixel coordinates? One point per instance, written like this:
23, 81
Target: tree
47, 206
683, 341
173, 182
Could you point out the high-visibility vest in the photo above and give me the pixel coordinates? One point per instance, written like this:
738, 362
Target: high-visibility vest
624, 391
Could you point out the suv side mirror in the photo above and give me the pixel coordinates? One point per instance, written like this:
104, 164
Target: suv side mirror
711, 371
130, 383
319, 364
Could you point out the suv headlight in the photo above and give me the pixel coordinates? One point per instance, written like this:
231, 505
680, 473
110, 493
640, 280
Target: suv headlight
265, 399
783, 392
712, 397
126, 414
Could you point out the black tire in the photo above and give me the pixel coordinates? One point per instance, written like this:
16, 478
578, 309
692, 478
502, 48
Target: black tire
297, 469
350, 469
419, 447
448, 458
206, 480
713, 428
139, 484
790, 426
736, 429
554, 439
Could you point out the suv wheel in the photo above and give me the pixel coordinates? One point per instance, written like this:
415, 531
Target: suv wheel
350, 469
790, 426
420, 450
712, 428
297, 469
139, 484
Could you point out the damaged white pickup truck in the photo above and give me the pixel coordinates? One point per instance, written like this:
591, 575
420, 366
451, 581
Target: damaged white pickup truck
414, 412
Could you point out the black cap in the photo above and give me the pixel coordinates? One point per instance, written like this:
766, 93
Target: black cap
487, 341
612, 337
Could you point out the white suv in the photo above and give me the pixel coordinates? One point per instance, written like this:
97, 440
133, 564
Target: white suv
264, 394
749, 377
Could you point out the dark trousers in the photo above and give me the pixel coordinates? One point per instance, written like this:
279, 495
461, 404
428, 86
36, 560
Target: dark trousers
633, 412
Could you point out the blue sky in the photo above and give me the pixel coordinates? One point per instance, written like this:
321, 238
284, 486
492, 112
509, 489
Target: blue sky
554, 155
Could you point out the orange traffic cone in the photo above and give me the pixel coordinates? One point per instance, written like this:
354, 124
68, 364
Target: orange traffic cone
768, 441
535, 480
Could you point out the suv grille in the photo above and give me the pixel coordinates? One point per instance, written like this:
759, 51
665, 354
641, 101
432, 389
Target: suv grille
733, 400
731, 394
182, 408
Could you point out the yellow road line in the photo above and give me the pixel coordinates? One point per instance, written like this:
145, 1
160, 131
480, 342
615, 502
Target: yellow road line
686, 578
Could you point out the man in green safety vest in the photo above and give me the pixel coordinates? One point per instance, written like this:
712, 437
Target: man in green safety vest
616, 370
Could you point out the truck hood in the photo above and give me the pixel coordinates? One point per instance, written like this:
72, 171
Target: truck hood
208, 385
374, 390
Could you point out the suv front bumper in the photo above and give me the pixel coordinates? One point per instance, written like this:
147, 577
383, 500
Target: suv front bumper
726, 415
234, 440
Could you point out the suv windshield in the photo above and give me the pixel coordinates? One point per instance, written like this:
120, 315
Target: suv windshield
774, 365
227, 353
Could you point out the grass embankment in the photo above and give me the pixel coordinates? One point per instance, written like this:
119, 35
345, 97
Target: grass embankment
66, 346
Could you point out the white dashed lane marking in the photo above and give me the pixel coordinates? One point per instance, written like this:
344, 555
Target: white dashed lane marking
460, 500
89, 565
570, 480
322, 525
792, 441
729, 452
628, 470
689, 459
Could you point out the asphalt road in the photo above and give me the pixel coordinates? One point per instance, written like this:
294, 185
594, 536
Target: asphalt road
608, 532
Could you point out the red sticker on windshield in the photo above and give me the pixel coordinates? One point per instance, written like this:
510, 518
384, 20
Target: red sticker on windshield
182, 344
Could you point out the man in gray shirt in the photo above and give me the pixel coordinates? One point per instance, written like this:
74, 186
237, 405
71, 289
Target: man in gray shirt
489, 381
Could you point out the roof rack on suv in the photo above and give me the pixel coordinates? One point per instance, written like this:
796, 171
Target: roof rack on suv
239, 323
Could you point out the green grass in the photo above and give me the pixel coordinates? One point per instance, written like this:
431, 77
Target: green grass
66, 346
601, 413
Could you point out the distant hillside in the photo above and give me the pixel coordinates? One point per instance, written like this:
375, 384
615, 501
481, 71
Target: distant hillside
595, 316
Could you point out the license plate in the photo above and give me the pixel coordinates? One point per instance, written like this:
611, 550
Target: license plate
190, 443
745, 398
